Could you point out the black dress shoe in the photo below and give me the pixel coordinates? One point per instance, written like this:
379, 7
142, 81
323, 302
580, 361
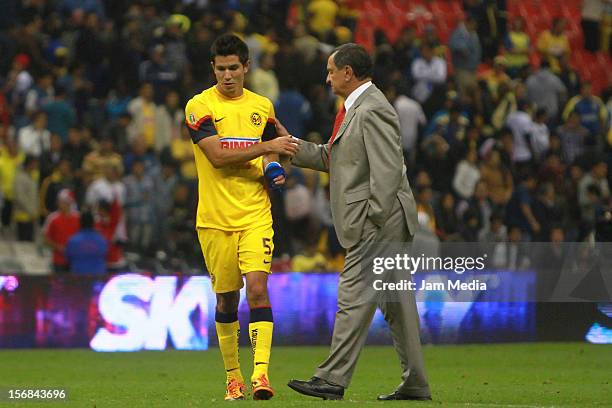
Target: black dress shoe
396, 395
317, 387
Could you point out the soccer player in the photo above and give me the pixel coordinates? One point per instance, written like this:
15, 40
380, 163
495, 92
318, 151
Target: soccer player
235, 145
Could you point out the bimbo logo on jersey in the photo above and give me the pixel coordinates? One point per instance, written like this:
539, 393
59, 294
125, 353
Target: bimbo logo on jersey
237, 142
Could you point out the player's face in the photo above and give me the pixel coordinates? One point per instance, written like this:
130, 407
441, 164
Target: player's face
230, 73
336, 78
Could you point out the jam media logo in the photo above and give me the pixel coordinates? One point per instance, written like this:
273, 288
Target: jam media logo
143, 313
256, 119
9, 283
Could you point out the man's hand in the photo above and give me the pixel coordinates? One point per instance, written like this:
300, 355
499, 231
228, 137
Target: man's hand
286, 145
275, 174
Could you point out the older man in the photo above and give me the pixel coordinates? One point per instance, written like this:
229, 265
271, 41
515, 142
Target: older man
371, 204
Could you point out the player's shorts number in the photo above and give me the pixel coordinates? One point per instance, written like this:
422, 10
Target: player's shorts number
267, 247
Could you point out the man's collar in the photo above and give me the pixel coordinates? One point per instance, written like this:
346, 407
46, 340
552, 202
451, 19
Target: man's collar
356, 94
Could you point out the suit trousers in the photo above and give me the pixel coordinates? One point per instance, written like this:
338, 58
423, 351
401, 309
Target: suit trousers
355, 313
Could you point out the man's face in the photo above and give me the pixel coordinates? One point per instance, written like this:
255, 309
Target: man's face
230, 73
336, 77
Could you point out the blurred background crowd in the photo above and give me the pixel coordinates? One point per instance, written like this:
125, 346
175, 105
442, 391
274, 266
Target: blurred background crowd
505, 112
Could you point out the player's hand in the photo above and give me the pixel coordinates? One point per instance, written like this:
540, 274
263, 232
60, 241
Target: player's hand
275, 175
286, 145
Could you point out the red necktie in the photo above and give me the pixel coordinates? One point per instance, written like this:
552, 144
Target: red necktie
337, 123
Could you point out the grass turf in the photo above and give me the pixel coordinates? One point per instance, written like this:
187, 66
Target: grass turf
507, 375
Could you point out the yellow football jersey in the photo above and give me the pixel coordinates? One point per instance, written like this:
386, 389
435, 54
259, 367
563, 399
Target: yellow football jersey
231, 198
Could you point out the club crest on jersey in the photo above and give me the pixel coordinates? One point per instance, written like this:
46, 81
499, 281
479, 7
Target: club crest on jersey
256, 119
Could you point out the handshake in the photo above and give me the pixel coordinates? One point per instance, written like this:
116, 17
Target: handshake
283, 145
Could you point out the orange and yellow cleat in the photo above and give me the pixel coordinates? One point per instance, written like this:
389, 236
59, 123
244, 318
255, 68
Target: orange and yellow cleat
235, 390
261, 388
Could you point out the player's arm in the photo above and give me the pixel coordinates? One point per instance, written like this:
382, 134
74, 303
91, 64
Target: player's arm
204, 134
220, 157
309, 155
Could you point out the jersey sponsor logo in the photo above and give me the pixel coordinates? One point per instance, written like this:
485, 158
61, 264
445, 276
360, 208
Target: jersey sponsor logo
237, 143
256, 119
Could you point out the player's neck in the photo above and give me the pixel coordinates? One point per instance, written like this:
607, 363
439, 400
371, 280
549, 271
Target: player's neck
234, 95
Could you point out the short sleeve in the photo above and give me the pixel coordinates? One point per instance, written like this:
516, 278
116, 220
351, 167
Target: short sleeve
199, 121
269, 132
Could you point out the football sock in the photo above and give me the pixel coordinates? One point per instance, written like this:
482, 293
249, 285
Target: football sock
228, 332
260, 333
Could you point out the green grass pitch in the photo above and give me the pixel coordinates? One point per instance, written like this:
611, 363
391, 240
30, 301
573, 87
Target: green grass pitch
506, 375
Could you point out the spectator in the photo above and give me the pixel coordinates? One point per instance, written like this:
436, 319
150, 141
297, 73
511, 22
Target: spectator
165, 183
103, 157
60, 226
182, 151
569, 76
61, 178
293, 110
546, 211
428, 72
411, 117
51, 158
497, 177
589, 197
405, 50
540, 135
35, 139
139, 206
111, 225
158, 72
506, 104
496, 76
117, 130
521, 125
553, 44
25, 212
467, 175
75, 149
170, 119
545, 90
592, 111
263, 79
41, 94
447, 222
518, 211
10, 160
108, 187
87, 250
573, 137
61, 116
322, 16
143, 110
466, 53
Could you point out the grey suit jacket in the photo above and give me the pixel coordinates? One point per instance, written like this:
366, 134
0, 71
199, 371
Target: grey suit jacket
367, 171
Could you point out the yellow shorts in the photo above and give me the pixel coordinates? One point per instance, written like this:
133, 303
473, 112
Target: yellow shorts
231, 254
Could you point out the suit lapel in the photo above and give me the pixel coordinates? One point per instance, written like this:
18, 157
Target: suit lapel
351, 112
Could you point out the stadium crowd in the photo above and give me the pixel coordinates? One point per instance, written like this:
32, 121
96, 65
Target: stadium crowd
92, 119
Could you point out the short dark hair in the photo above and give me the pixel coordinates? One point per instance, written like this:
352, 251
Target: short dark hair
356, 57
229, 44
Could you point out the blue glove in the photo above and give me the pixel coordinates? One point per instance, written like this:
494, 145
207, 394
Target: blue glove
272, 171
